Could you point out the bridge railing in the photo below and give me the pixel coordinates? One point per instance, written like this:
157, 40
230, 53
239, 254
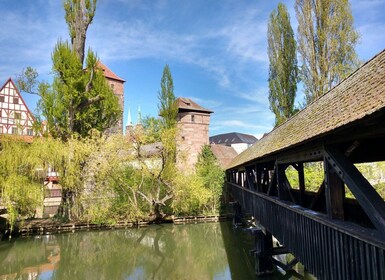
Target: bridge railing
330, 249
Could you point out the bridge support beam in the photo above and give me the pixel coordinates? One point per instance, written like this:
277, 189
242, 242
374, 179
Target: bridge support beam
263, 250
369, 199
335, 192
263, 243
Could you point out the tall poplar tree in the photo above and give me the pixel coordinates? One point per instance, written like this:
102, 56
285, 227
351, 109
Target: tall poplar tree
326, 43
283, 71
79, 15
168, 108
79, 99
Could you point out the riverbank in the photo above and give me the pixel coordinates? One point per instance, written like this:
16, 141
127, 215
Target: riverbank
51, 226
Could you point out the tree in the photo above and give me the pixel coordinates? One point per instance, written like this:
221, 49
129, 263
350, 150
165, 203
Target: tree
283, 72
79, 99
79, 15
326, 43
167, 107
23, 167
207, 168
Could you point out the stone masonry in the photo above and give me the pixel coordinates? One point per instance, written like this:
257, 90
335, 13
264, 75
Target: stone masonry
193, 132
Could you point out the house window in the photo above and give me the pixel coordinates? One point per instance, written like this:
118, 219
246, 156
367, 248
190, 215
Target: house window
15, 100
2, 98
112, 86
1, 130
18, 116
14, 130
193, 118
30, 132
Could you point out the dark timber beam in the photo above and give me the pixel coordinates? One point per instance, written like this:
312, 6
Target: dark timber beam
334, 192
366, 195
250, 178
301, 179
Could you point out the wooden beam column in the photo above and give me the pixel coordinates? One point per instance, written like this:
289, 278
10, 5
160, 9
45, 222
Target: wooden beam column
334, 192
250, 178
301, 180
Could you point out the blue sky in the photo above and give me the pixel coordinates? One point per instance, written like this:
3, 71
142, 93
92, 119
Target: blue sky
216, 49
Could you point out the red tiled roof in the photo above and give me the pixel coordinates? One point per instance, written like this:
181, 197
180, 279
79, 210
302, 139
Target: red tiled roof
108, 73
224, 154
186, 104
361, 94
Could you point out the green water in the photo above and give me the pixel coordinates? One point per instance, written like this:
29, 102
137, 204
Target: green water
193, 251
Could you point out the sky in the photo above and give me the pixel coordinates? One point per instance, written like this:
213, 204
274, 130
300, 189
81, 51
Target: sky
216, 50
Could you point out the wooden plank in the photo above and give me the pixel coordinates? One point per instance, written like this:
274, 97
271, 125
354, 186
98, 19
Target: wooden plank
366, 195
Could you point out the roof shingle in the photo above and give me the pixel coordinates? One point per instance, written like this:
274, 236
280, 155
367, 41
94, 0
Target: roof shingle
359, 95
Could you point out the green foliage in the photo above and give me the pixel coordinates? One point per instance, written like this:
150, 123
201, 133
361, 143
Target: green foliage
212, 175
22, 169
283, 72
78, 100
167, 107
200, 193
326, 43
27, 80
152, 129
314, 176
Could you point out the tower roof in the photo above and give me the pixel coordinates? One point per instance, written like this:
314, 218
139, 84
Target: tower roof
187, 105
108, 73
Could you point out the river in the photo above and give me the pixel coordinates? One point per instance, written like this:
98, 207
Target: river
193, 251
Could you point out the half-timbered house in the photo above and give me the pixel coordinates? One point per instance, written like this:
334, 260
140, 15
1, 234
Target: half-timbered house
15, 117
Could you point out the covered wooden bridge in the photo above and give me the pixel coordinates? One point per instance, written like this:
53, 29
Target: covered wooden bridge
335, 237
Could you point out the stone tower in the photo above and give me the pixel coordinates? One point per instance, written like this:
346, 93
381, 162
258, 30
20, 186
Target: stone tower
193, 132
117, 85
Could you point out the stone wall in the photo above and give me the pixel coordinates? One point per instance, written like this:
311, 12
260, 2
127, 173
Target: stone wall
193, 133
118, 88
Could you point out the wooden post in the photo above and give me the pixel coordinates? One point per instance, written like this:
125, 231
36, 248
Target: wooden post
280, 170
263, 247
301, 179
250, 177
335, 193
259, 178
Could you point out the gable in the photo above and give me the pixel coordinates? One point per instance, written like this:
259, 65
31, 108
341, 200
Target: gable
15, 117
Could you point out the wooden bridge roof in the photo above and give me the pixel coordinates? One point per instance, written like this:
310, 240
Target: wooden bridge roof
360, 95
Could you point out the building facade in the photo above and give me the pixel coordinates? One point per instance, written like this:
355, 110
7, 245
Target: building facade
15, 117
117, 85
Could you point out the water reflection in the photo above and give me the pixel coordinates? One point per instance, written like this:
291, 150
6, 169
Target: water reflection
196, 251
